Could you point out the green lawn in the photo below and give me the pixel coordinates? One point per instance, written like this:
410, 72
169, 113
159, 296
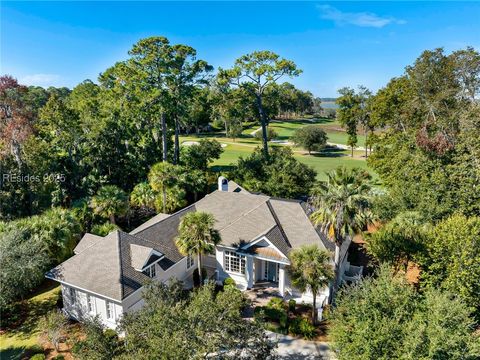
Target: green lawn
13, 342
336, 135
320, 162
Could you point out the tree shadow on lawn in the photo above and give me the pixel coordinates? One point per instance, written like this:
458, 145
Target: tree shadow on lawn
31, 311
330, 153
222, 168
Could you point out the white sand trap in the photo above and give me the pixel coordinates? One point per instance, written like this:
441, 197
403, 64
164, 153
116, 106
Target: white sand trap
224, 145
190, 143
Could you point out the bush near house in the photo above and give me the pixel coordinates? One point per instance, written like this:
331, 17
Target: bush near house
276, 317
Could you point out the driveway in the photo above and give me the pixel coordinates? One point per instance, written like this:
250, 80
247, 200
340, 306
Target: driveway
290, 348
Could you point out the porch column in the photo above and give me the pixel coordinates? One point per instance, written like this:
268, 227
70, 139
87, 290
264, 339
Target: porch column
249, 272
281, 279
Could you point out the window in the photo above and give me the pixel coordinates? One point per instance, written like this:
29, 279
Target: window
190, 261
73, 295
234, 262
110, 310
91, 303
150, 271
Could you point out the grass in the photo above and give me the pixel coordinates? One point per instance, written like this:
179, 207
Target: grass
14, 342
326, 161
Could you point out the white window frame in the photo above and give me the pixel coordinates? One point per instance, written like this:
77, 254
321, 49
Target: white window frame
91, 305
110, 310
230, 259
73, 295
150, 271
190, 261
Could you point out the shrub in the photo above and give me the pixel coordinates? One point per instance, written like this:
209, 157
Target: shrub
53, 326
276, 303
303, 327
291, 305
38, 357
35, 349
271, 134
294, 326
111, 335
229, 281
103, 229
59, 357
307, 330
277, 315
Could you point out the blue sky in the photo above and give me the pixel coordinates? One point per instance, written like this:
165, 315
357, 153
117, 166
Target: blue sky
335, 43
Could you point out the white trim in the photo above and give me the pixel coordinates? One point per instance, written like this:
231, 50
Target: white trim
148, 258
241, 257
260, 239
119, 302
113, 310
91, 298
269, 259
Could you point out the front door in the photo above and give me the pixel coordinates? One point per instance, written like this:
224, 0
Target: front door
271, 271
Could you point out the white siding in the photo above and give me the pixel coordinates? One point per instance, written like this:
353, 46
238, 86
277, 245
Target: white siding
178, 271
240, 279
78, 308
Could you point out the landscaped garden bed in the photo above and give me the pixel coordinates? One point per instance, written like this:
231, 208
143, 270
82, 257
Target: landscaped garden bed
290, 318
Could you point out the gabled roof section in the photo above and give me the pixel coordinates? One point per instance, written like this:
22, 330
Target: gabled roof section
106, 268
141, 256
156, 219
86, 241
97, 268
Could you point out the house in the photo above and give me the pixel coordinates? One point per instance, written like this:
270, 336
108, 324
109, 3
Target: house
106, 275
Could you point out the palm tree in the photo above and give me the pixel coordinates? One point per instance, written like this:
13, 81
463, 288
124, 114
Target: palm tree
143, 195
162, 176
175, 199
310, 269
196, 236
109, 201
342, 205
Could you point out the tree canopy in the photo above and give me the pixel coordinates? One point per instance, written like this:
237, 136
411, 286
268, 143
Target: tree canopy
383, 317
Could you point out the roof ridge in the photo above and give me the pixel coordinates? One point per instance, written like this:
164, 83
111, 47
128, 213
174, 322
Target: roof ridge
120, 263
243, 215
168, 217
277, 221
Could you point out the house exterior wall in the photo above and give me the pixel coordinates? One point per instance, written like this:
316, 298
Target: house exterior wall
240, 279
77, 307
177, 271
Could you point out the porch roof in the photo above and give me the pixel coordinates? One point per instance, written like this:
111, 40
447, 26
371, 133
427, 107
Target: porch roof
266, 252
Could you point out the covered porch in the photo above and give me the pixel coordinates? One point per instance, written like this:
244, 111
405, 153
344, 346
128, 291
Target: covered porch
266, 269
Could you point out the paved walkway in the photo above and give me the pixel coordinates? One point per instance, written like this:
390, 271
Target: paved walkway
290, 348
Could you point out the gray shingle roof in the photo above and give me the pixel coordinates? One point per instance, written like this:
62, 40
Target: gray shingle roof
105, 266
86, 241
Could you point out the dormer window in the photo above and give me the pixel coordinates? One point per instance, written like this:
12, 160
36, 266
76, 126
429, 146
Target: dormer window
150, 271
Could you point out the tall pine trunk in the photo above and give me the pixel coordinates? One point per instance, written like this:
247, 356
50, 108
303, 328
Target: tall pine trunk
366, 142
176, 155
263, 121
164, 137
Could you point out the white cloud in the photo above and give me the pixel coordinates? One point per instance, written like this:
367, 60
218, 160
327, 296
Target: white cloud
41, 79
364, 19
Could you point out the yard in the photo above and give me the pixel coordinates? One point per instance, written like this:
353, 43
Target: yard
321, 162
21, 338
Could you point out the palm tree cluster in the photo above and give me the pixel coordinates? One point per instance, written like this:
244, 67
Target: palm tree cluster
342, 206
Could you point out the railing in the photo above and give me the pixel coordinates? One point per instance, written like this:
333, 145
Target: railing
352, 272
